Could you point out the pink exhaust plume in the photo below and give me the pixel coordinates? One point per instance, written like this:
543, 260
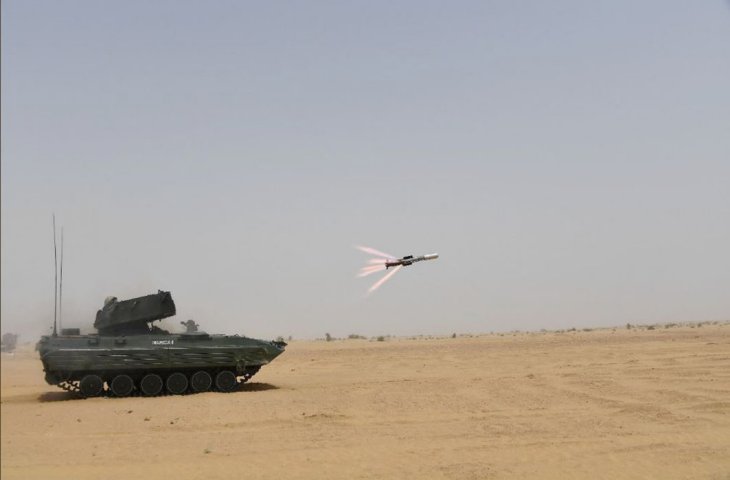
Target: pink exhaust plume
377, 261
373, 268
365, 271
372, 251
380, 282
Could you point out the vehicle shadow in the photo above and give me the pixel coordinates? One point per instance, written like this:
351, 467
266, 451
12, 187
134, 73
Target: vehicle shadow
57, 397
257, 387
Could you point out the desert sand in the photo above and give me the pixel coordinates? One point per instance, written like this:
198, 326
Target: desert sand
597, 404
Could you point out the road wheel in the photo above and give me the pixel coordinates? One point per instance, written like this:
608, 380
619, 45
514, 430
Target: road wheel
201, 381
225, 381
151, 384
177, 383
122, 385
91, 386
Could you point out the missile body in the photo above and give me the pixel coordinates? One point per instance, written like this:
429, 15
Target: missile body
409, 260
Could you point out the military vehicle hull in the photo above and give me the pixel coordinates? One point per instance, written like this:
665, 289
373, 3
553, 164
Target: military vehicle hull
153, 364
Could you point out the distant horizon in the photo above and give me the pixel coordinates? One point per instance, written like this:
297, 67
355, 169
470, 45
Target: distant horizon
370, 338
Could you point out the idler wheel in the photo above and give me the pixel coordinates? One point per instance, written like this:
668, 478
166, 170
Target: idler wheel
91, 386
151, 384
201, 381
122, 385
177, 383
225, 381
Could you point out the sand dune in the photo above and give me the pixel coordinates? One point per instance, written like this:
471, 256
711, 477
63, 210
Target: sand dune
600, 404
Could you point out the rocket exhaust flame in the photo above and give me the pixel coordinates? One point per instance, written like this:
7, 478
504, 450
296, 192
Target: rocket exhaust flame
372, 251
365, 271
373, 267
380, 282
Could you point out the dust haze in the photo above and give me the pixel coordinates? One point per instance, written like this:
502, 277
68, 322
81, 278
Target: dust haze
571, 169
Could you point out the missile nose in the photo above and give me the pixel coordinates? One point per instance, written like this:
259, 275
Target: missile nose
431, 256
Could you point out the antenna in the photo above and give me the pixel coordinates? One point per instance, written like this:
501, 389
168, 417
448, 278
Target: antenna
60, 289
55, 278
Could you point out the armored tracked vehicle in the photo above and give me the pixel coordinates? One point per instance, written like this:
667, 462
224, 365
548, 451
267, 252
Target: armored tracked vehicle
131, 356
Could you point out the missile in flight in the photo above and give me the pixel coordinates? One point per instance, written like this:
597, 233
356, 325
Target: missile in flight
409, 260
383, 261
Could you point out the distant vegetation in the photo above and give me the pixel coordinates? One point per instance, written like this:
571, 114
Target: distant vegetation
515, 333
355, 336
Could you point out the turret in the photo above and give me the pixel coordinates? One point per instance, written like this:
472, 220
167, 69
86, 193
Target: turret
131, 317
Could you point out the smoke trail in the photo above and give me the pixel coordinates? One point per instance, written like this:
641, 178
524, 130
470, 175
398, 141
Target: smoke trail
380, 282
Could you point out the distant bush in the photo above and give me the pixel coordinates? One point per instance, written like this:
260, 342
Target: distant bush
453, 335
650, 327
355, 336
328, 337
381, 338
628, 326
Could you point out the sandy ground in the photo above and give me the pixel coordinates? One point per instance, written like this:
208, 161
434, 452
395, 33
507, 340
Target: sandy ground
600, 404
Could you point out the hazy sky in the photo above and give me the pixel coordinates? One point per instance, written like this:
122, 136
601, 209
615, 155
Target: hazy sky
569, 160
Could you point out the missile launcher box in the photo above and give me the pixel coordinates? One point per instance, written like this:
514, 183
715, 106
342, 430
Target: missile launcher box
130, 317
